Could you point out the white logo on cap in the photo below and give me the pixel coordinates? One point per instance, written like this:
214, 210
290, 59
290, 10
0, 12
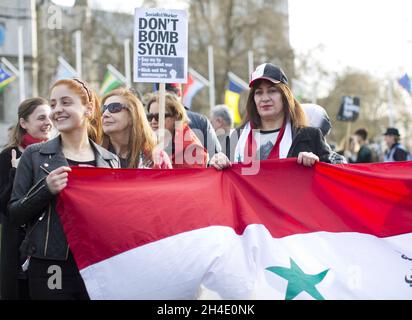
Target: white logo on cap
260, 70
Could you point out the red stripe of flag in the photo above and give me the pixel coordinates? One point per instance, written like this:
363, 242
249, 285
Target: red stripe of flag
106, 212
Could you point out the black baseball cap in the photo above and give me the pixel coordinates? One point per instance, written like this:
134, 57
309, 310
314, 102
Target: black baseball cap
268, 72
392, 132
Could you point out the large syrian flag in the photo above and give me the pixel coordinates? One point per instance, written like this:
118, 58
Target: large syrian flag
288, 232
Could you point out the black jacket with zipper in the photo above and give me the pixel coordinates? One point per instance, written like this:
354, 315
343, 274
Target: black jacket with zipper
33, 204
309, 139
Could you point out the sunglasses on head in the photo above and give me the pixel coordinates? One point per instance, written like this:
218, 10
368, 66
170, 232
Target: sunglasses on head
151, 116
114, 107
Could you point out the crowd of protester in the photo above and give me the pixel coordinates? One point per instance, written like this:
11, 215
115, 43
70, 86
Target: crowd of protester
122, 131
358, 149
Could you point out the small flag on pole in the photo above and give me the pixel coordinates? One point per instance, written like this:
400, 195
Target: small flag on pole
64, 70
63, 73
192, 87
5, 79
405, 82
232, 95
110, 82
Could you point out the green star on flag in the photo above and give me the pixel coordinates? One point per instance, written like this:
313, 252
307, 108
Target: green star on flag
299, 281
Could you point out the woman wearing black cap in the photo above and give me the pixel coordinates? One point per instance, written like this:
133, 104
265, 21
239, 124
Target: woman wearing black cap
275, 125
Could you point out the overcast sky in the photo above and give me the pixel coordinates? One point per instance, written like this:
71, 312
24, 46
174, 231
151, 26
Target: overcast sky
375, 35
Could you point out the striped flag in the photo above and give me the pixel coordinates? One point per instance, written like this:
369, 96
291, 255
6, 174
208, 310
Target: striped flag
64, 71
288, 232
110, 82
5, 79
192, 87
232, 95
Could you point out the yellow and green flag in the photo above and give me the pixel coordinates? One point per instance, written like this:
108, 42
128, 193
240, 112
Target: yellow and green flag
110, 82
232, 96
5, 79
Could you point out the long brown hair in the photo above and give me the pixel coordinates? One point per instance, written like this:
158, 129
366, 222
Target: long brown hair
292, 108
87, 95
141, 138
26, 108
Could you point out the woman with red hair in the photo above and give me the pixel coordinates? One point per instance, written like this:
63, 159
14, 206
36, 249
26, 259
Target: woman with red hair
42, 173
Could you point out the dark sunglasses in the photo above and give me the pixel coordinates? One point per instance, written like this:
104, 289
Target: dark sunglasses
150, 116
114, 107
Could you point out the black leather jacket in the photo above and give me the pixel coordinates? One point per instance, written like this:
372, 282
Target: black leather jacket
33, 204
311, 140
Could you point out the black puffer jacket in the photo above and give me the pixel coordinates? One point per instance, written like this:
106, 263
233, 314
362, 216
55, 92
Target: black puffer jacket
33, 204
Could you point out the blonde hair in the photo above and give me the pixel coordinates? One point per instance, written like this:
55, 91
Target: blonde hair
141, 135
87, 95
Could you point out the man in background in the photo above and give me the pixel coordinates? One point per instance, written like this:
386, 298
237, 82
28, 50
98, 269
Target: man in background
364, 154
222, 121
395, 151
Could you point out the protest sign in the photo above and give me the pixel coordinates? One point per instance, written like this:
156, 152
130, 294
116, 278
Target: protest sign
349, 109
160, 45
